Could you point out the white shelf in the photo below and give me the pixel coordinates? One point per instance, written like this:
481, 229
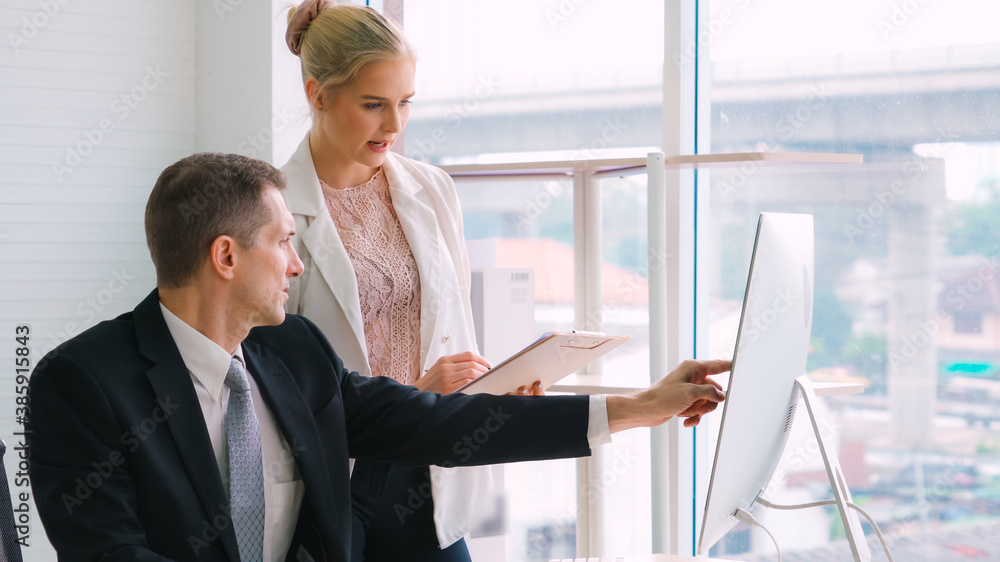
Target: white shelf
647, 558
609, 166
606, 384
837, 388
555, 167
584, 172
593, 384
763, 158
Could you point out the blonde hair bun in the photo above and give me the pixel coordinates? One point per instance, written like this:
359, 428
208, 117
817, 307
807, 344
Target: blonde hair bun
299, 18
342, 41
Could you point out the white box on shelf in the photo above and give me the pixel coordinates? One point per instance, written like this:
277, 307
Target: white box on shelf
503, 307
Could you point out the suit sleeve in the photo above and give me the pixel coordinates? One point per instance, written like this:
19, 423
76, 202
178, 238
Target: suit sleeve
391, 422
79, 476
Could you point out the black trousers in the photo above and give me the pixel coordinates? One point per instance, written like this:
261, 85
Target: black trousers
393, 516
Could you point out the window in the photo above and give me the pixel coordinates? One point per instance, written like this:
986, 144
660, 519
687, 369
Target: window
968, 322
906, 248
530, 81
906, 294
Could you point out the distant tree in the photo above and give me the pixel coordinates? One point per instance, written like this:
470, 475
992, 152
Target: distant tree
735, 260
831, 329
868, 353
974, 227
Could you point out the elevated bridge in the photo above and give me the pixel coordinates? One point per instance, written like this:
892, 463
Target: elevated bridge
867, 102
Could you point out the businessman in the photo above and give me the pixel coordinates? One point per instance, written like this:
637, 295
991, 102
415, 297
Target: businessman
207, 424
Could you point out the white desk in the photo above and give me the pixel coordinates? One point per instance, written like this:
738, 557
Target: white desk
606, 384
651, 558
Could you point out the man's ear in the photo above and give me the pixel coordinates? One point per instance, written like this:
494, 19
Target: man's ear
223, 256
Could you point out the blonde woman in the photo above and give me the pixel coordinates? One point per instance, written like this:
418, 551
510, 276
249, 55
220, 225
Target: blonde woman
386, 272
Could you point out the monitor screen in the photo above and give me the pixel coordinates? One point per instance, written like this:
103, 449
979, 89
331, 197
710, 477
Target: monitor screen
772, 344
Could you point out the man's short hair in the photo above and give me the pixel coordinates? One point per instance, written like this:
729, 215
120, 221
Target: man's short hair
199, 198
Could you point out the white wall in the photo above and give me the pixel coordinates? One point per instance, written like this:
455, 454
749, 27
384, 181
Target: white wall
291, 119
233, 84
249, 85
96, 98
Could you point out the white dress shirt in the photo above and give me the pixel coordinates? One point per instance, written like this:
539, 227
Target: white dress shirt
283, 488
598, 428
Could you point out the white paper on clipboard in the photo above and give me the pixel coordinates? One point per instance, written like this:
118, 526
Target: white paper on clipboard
549, 359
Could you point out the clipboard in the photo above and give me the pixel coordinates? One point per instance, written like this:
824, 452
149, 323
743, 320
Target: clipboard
549, 359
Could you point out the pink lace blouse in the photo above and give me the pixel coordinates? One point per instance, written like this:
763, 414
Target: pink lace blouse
388, 281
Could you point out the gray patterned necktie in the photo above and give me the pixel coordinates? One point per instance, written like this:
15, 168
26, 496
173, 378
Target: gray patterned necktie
246, 472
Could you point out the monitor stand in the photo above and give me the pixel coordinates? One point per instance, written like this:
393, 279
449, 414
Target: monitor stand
852, 526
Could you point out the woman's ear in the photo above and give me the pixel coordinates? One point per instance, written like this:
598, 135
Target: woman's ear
314, 94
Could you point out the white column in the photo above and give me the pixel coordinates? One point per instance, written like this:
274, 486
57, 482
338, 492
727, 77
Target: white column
233, 85
670, 448
590, 535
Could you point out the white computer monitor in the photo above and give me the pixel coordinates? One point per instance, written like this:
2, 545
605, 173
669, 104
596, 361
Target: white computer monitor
771, 349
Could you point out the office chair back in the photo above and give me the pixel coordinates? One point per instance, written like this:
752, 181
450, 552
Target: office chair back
10, 549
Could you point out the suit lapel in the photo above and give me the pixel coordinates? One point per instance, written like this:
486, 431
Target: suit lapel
420, 226
321, 239
294, 418
171, 382
327, 250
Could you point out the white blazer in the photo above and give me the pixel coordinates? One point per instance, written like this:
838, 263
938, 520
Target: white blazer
426, 203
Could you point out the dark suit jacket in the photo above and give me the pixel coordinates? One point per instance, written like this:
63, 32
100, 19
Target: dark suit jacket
123, 469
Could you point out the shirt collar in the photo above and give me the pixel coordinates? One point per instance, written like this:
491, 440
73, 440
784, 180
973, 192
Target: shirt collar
205, 359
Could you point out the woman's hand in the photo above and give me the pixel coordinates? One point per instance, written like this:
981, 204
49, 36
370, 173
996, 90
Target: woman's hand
451, 372
533, 390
